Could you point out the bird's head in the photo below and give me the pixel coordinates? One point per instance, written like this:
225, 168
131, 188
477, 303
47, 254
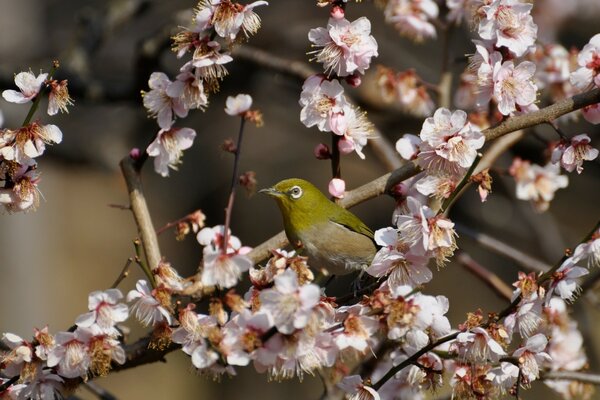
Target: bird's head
298, 199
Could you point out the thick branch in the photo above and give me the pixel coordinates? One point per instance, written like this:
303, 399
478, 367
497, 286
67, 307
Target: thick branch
140, 211
545, 115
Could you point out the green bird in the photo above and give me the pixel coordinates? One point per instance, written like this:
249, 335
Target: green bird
332, 237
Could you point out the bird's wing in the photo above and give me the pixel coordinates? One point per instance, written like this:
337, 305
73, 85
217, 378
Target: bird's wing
351, 221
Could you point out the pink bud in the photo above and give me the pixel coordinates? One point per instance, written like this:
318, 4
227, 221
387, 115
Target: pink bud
322, 152
337, 12
337, 188
399, 191
354, 80
135, 153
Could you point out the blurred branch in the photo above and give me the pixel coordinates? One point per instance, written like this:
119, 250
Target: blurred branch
504, 249
488, 277
141, 214
583, 377
98, 391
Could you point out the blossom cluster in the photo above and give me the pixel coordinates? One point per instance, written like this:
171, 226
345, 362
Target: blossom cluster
345, 49
20, 147
45, 366
168, 99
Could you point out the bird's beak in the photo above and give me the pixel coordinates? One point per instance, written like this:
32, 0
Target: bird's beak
271, 192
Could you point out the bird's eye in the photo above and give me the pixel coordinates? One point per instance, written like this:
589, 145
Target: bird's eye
295, 192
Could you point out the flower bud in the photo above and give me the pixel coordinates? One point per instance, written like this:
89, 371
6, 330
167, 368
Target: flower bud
322, 152
354, 80
337, 12
337, 188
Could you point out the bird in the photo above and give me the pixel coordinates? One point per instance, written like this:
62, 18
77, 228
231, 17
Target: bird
333, 239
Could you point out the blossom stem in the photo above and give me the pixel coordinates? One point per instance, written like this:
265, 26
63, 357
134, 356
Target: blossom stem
9, 383
460, 186
336, 169
234, 184
137, 245
172, 224
124, 273
36, 102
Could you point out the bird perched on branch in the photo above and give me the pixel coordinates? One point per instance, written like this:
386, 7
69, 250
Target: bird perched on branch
332, 237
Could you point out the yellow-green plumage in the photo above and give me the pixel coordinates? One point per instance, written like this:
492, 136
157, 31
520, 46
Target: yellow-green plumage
332, 237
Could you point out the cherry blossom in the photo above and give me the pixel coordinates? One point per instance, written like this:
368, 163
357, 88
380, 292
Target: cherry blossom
242, 335
354, 386
532, 357
29, 86
167, 148
159, 104
238, 105
478, 346
28, 142
564, 280
59, 98
452, 137
24, 193
355, 129
572, 154
412, 18
189, 88
589, 250
105, 311
588, 72
44, 384
537, 183
345, 47
513, 86
358, 330
483, 65
289, 304
147, 309
591, 113
209, 61
223, 270
21, 353
70, 355
228, 17
322, 101
504, 376
510, 24
408, 146
406, 89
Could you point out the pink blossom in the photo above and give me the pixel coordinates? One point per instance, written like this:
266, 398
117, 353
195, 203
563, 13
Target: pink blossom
238, 105
28, 142
337, 188
105, 311
209, 61
24, 194
452, 137
242, 334
21, 353
189, 88
589, 250
288, 303
412, 18
44, 384
537, 183
59, 98
158, 102
168, 146
357, 332
345, 47
212, 239
484, 62
478, 346
438, 184
527, 318
356, 389
223, 270
29, 86
564, 281
355, 129
510, 24
322, 101
504, 376
513, 86
571, 155
532, 357
147, 309
410, 270
408, 146
589, 65
228, 18
70, 355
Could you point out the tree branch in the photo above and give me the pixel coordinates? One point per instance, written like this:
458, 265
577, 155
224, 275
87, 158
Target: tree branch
489, 278
583, 377
141, 214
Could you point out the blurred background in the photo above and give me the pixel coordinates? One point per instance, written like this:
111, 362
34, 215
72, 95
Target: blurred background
51, 259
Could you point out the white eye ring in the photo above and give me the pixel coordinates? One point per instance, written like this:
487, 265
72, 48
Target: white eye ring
296, 192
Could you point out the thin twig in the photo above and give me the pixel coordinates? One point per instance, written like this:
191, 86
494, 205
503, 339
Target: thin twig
124, 273
234, 182
489, 278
